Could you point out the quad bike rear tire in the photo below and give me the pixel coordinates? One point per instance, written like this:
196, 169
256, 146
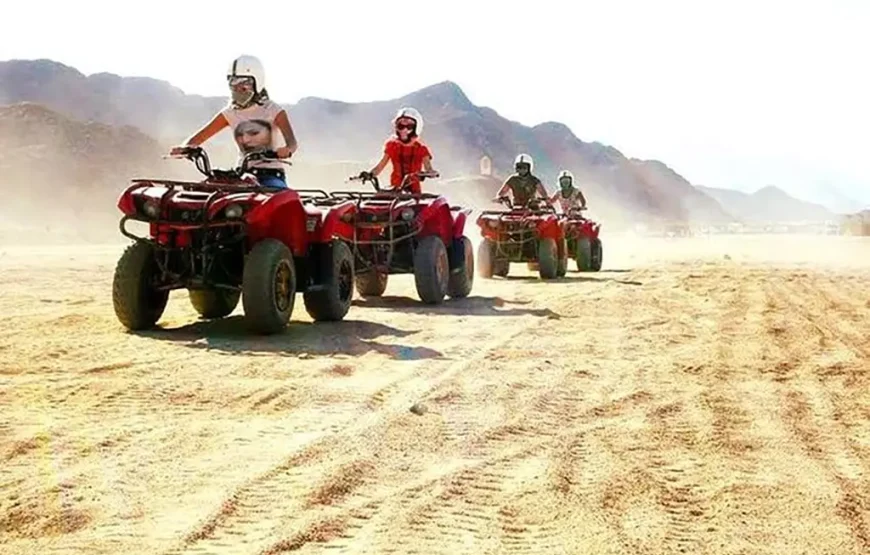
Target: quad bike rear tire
431, 269
460, 284
269, 287
332, 303
562, 267
214, 303
596, 255
138, 304
548, 258
583, 255
371, 283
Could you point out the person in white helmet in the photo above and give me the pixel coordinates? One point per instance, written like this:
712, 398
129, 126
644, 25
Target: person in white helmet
253, 117
523, 185
568, 196
407, 153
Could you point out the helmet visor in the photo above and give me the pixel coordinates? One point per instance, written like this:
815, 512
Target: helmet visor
523, 167
565, 181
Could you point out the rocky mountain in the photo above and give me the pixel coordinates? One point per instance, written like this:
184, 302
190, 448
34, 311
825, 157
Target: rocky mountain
768, 204
57, 171
458, 132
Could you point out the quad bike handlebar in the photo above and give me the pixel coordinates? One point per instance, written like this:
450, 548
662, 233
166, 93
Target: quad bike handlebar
535, 204
373, 179
199, 157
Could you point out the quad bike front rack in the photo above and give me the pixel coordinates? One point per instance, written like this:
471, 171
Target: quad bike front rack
205, 252
519, 238
389, 201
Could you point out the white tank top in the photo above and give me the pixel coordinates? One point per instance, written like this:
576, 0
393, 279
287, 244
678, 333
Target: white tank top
254, 128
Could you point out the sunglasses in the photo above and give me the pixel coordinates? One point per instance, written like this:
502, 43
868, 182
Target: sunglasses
240, 82
408, 126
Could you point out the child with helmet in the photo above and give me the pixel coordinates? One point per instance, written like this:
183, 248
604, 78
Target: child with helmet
406, 152
568, 196
523, 185
253, 118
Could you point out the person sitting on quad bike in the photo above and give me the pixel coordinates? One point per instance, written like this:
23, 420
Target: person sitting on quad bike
406, 152
568, 196
523, 185
252, 116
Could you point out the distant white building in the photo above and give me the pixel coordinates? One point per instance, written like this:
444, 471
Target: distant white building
486, 165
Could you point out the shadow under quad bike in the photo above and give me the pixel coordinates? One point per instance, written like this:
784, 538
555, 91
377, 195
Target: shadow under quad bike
584, 244
228, 237
395, 231
529, 233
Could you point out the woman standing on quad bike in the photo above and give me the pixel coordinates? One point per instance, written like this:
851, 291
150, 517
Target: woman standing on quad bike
523, 185
406, 152
252, 116
568, 196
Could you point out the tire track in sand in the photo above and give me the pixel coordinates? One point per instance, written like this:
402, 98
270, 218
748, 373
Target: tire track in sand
251, 515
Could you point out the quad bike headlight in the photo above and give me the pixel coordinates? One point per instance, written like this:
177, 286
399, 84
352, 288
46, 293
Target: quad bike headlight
150, 209
234, 211
408, 214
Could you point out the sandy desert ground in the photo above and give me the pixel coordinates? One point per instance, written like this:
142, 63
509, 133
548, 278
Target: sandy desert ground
705, 395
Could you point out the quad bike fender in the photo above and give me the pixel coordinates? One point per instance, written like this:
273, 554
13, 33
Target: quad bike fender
281, 217
459, 222
436, 219
337, 223
549, 228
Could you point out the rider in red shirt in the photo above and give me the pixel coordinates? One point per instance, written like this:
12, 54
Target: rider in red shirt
406, 152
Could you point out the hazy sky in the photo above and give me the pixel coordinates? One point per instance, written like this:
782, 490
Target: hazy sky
734, 93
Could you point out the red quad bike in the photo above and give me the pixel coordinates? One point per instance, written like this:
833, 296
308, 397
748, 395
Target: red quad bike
397, 232
529, 233
228, 237
584, 245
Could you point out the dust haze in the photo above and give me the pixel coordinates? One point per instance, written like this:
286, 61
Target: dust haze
702, 394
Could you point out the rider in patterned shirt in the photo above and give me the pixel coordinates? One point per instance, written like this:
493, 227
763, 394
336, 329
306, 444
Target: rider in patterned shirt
568, 196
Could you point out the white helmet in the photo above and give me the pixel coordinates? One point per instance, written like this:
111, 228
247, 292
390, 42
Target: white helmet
525, 159
565, 173
410, 113
248, 66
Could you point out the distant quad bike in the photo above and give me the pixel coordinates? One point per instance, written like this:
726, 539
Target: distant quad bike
228, 237
529, 233
398, 232
584, 245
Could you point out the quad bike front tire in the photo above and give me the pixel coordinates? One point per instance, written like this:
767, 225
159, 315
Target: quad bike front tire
596, 255
332, 303
583, 254
562, 267
371, 283
269, 287
548, 258
486, 259
460, 284
138, 304
214, 303
431, 270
